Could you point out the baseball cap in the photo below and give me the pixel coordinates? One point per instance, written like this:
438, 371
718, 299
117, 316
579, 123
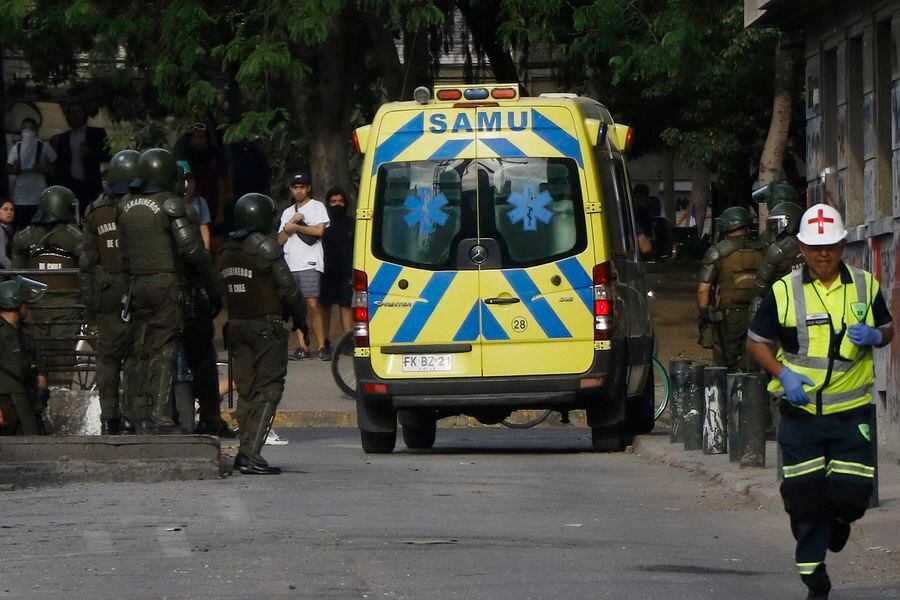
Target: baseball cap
301, 179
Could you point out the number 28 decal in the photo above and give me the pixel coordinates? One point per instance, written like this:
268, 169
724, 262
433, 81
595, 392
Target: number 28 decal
519, 324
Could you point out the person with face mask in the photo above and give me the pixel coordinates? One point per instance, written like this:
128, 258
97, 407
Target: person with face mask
7, 231
29, 161
337, 281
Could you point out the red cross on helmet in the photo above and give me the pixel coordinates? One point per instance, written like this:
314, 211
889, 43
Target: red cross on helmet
821, 225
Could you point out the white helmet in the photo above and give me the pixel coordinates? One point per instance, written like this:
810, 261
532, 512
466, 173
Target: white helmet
821, 225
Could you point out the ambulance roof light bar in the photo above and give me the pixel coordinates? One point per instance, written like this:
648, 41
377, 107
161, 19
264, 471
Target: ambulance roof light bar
477, 93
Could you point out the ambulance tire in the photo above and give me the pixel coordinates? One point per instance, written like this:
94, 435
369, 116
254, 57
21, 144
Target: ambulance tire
607, 439
639, 410
378, 442
419, 428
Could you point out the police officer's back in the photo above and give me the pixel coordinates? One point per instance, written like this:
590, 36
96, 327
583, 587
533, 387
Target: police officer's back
17, 365
726, 288
259, 289
783, 254
161, 250
103, 285
49, 244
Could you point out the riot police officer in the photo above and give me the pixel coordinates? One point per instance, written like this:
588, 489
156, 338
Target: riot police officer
259, 288
103, 285
726, 288
783, 254
51, 243
161, 250
18, 378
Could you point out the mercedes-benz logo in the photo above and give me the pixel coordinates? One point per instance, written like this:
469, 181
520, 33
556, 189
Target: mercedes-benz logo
478, 254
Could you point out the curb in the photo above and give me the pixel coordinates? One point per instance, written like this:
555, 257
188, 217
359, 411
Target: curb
746, 482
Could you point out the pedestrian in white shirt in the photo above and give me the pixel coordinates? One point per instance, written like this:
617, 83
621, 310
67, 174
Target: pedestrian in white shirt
300, 233
29, 161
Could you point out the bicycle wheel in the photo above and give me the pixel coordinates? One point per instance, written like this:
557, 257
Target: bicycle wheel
661, 389
526, 419
342, 365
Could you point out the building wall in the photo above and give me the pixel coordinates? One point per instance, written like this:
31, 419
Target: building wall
853, 156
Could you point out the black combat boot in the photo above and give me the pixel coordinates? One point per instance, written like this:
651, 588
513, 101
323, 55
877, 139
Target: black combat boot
110, 426
248, 467
819, 584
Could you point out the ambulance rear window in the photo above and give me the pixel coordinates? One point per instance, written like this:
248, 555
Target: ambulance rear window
533, 208
421, 209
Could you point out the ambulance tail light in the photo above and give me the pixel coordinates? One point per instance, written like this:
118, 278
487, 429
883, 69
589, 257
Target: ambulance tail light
360, 307
448, 95
603, 276
629, 138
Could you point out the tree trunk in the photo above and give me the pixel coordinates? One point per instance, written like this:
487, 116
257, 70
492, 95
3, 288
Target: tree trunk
770, 164
700, 180
483, 18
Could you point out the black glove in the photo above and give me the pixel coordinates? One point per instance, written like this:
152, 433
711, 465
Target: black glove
215, 306
703, 319
298, 318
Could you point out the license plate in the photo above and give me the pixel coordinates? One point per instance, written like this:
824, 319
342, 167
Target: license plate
424, 363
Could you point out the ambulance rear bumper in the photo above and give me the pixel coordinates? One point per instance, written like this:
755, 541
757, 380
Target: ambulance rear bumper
571, 390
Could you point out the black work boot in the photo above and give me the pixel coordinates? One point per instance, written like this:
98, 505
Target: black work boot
819, 584
110, 426
840, 533
247, 467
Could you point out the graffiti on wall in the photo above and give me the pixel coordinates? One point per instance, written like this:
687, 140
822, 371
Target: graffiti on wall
869, 190
814, 163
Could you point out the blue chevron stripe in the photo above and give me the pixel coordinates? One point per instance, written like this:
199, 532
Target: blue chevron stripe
578, 278
504, 148
381, 284
490, 327
539, 308
468, 331
419, 314
557, 137
451, 149
399, 141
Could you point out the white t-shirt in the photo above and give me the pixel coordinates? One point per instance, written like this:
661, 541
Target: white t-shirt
29, 186
299, 255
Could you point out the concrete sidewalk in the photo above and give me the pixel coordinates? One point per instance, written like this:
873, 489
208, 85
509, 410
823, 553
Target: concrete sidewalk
879, 530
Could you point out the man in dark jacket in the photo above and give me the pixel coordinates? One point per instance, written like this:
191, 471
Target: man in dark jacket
79, 153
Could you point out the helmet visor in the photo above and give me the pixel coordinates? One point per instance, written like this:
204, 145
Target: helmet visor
30, 290
776, 225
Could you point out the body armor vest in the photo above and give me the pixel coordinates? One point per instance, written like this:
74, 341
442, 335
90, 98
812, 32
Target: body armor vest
250, 290
737, 272
790, 257
52, 253
103, 221
144, 229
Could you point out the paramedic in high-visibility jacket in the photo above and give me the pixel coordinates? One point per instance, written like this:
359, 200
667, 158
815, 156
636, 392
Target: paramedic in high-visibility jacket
826, 318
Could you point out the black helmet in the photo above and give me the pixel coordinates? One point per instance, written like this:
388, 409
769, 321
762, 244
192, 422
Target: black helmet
785, 217
21, 290
157, 172
733, 218
253, 213
123, 169
54, 206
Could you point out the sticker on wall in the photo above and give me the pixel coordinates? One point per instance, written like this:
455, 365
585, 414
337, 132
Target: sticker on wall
530, 207
426, 211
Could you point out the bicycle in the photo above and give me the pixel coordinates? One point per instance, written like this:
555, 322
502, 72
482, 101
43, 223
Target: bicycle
660, 389
342, 365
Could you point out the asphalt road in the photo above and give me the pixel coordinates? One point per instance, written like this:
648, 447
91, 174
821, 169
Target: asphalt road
488, 514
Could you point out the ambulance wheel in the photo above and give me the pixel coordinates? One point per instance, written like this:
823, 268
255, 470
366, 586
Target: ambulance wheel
607, 439
378, 442
419, 429
639, 411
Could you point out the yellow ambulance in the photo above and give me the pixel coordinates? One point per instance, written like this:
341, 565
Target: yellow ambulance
496, 267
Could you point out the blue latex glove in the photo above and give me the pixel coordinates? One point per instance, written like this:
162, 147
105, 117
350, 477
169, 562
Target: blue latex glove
793, 386
863, 335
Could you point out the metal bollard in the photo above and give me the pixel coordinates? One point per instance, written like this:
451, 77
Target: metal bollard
735, 384
715, 410
753, 420
692, 410
677, 382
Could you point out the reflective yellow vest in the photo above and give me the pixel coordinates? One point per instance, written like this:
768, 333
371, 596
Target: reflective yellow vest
842, 371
